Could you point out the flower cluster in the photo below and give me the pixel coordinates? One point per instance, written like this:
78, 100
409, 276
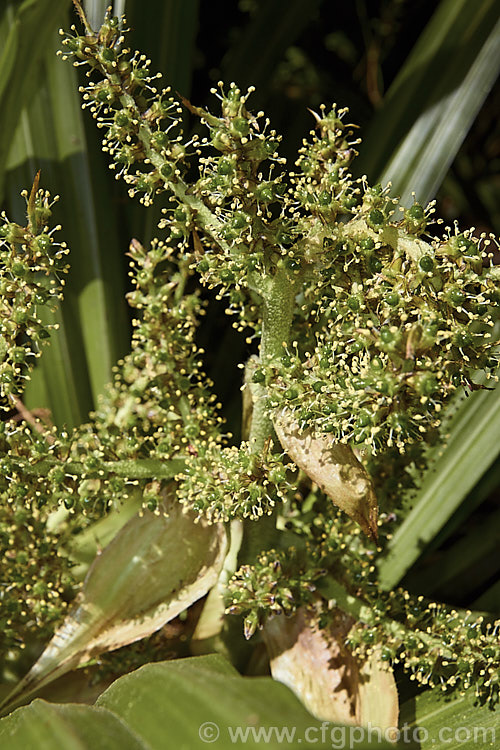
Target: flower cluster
283, 580
389, 321
139, 125
224, 483
394, 325
158, 407
40, 581
278, 583
142, 131
160, 397
235, 210
324, 186
249, 204
31, 266
437, 645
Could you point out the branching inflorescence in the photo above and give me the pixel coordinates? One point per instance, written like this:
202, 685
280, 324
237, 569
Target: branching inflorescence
32, 265
392, 320
368, 324
437, 645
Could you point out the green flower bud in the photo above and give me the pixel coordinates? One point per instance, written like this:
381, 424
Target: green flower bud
225, 166
240, 126
376, 219
426, 263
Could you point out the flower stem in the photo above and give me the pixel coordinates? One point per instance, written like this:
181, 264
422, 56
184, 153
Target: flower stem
278, 300
278, 294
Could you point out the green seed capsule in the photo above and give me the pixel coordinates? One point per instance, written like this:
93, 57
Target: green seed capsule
264, 193
141, 74
463, 339
359, 383
160, 138
369, 636
456, 297
43, 242
122, 118
107, 54
241, 126
353, 303
426, 384
20, 316
374, 264
180, 214
293, 264
356, 346
20, 269
226, 275
481, 309
7, 377
364, 418
416, 212
386, 335
284, 238
18, 355
166, 171
351, 201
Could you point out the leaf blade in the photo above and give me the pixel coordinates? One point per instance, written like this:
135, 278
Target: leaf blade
33, 23
433, 101
449, 724
44, 726
187, 694
472, 446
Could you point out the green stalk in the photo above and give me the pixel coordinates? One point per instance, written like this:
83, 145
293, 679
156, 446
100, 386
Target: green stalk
140, 468
332, 590
206, 220
278, 294
277, 312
